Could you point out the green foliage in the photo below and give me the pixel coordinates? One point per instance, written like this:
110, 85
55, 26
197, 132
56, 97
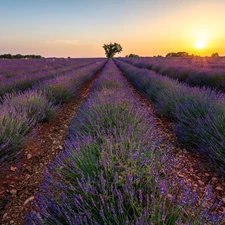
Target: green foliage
177, 54
112, 49
132, 55
13, 129
186, 54
19, 56
215, 55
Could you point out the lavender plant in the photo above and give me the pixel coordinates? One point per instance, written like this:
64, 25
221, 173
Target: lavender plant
112, 170
24, 81
23, 110
198, 113
20, 112
202, 72
201, 123
32, 104
13, 128
62, 88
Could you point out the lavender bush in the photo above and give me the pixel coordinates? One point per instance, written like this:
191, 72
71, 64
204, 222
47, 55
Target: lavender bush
23, 110
32, 104
112, 170
198, 113
201, 123
13, 128
20, 112
203, 72
20, 67
62, 88
24, 81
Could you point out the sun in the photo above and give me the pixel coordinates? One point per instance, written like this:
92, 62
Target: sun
200, 44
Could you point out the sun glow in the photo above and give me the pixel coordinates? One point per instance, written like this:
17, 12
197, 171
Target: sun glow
200, 44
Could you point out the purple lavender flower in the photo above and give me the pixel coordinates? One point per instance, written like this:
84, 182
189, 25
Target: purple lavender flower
110, 173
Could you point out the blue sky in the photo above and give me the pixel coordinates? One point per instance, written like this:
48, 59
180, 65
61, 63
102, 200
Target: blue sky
80, 28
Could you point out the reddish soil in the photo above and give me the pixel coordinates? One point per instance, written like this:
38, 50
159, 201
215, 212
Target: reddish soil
20, 180
193, 167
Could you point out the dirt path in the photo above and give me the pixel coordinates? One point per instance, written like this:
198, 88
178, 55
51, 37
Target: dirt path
192, 166
20, 180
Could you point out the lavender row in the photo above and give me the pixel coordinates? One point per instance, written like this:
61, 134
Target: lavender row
18, 67
25, 81
193, 62
203, 76
62, 88
112, 170
21, 111
10, 68
199, 114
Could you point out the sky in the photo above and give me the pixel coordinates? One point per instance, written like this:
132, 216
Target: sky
79, 28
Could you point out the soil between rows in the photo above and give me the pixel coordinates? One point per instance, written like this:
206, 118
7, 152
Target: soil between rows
20, 180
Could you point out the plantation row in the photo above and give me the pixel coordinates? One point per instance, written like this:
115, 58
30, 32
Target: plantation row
199, 114
206, 72
20, 111
191, 62
10, 68
24, 81
111, 169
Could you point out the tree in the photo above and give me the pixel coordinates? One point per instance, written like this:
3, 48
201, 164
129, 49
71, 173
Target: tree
19, 56
177, 54
112, 49
132, 55
215, 55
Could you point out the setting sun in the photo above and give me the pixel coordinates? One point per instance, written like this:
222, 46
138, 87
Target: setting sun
200, 44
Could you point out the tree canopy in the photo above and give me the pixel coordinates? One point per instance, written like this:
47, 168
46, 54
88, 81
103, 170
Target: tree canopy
215, 55
19, 56
177, 54
112, 49
132, 55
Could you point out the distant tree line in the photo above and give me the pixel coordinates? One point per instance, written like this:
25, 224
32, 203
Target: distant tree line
185, 54
178, 54
132, 55
158, 56
19, 56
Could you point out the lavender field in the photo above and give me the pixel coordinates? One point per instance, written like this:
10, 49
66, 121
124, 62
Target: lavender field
195, 71
114, 167
31, 92
112, 112
198, 113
